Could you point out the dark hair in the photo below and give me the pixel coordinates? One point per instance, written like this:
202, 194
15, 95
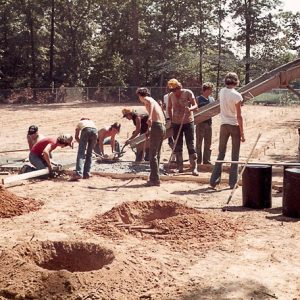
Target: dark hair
143, 91
32, 129
207, 86
231, 79
116, 125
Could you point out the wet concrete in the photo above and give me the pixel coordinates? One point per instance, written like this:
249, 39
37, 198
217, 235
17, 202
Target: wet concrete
118, 167
123, 167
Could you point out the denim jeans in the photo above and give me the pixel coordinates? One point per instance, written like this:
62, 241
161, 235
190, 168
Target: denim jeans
203, 134
157, 133
37, 161
87, 142
189, 130
227, 131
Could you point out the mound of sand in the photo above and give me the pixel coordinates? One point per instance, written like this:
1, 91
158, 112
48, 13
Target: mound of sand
169, 222
12, 205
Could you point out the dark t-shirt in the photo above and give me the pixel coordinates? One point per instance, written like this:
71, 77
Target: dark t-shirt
144, 119
202, 101
39, 147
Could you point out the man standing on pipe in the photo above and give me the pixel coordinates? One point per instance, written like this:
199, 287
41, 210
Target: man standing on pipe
181, 105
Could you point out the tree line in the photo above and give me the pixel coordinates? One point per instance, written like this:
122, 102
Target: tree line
141, 42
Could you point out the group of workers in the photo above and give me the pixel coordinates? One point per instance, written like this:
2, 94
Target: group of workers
177, 110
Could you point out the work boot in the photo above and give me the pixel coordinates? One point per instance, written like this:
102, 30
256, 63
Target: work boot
173, 158
179, 161
193, 163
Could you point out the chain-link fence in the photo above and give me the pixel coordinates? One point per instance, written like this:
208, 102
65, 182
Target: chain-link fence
79, 94
119, 95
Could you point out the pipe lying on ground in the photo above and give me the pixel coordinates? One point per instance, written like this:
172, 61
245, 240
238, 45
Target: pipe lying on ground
259, 163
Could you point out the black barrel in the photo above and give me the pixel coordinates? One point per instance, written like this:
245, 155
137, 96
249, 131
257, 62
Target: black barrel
291, 193
257, 186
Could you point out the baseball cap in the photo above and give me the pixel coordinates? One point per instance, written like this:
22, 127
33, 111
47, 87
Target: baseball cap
32, 129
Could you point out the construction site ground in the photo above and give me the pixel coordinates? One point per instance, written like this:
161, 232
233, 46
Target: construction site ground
107, 238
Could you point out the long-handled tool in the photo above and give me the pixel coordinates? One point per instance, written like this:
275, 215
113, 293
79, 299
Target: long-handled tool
243, 169
176, 140
12, 151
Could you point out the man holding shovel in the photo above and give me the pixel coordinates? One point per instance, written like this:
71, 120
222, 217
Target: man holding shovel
181, 105
156, 123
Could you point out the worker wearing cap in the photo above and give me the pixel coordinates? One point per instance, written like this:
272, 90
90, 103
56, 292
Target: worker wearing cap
181, 104
141, 126
39, 155
86, 136
33, 136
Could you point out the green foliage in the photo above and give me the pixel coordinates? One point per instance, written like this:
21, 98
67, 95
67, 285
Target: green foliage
139, 42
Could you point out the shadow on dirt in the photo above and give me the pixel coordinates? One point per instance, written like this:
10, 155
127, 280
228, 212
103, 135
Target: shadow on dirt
282, 218
282, 157
274, 210
206, 190
291, 124
233, 290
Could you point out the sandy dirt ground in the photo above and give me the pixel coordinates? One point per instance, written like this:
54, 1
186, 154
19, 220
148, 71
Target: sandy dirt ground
106, 238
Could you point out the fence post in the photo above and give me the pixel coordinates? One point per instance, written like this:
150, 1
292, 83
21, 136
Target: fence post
119, 94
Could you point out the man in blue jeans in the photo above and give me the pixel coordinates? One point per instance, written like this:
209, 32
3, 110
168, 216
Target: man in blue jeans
87, 141
231, 126
181, 105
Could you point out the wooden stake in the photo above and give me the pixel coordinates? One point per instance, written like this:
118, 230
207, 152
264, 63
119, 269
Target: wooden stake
17, 150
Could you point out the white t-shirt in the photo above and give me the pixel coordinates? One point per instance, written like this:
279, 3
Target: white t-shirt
86, 123
228, 99
166, 101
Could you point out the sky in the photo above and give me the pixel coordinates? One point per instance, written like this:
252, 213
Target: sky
291, 5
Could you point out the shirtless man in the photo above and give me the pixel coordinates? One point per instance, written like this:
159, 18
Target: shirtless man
181, 105
106, 136
156, 123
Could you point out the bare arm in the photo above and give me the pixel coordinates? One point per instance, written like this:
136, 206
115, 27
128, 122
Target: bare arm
170, 113
150, 108
100, 141
46, 156
77, 131
193, 105
137, 128
112, 143
240, 120
30, 142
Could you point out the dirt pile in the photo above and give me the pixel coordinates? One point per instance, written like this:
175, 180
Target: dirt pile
12, 205
171, 223
75, 271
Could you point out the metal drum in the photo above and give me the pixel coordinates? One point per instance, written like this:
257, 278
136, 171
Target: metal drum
257, 186
291, 193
